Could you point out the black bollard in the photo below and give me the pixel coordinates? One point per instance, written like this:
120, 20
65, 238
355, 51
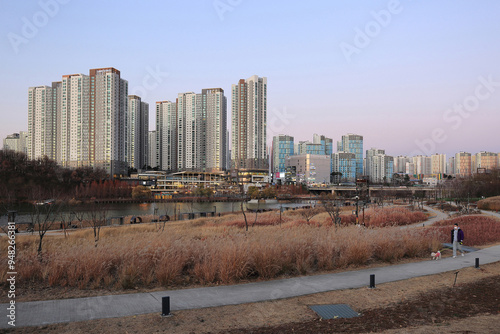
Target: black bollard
165, 307
477, 263
372, 281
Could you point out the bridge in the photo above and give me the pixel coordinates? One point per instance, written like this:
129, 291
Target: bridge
374, 190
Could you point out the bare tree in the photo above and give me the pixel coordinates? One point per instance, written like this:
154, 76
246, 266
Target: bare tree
98, 216
43, 214
164, 219
43, 217
333, 210
309, 213
65, 220
244, 216
256, 213
80, 216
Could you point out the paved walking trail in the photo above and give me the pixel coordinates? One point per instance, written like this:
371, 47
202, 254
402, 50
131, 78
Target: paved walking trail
111, 306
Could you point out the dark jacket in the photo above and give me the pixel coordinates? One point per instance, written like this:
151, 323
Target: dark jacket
460, 235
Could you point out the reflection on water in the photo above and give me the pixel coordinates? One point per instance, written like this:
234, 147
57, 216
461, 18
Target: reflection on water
144, 209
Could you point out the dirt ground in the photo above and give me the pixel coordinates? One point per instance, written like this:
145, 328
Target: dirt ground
419, 305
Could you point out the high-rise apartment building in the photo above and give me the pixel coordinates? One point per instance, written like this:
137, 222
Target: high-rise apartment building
192, 133
73, 120
410, 168
152, 155
485, 161
367, 161
438, 163
463, 164
450, 167
42, 121
80, 120
381, 168
249, 122
423, 164
378, 166
108, 107
344, 163
353, 143
136, 132
283, 147
214, 130
190, 127
166, 135
400, 164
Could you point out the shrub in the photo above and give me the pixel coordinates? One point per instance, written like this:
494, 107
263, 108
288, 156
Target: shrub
491, 203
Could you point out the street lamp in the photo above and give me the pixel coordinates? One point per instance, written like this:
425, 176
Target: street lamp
357, 200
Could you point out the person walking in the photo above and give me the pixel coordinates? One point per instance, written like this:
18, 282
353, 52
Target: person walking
457, 239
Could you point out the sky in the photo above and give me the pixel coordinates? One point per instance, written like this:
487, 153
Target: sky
412, 77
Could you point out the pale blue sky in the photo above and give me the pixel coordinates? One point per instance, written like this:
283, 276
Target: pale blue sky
412, 66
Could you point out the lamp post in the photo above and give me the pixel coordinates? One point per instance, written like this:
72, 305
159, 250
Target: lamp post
357, 200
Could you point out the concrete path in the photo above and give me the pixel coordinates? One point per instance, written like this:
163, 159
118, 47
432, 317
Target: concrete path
439, 215
111, 306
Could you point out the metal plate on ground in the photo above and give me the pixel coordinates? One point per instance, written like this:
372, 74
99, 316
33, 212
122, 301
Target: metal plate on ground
334, 311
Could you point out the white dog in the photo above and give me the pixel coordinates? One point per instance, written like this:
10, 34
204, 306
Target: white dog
436, 255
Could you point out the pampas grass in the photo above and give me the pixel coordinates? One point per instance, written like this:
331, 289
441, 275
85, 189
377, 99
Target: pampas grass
478, 229
210, 251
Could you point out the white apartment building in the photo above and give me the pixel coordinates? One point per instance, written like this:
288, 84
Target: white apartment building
214, 117
410, 168
136, 130
422, 164
379, 166
41, 123
248, 123
73, 120
189, 126
400, 164
368, 170
108, 107
152, 155
438, 164
451, 166
166, 135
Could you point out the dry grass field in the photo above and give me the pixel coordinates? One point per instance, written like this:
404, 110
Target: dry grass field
215, 250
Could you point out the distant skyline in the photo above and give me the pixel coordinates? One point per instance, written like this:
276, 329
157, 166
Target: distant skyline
410, 77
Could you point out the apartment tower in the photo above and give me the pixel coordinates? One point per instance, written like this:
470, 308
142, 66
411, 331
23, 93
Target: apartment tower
136, 129
249, 122
73, 120
42, 121
108, 107
214, 128
166, 135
